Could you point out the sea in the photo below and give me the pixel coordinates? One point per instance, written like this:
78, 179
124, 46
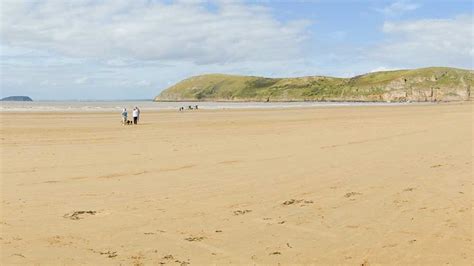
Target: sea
116, 106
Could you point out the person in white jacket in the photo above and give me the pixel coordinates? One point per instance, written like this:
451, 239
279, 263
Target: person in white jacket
135, 114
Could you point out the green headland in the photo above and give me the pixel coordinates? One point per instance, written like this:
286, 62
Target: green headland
418, 85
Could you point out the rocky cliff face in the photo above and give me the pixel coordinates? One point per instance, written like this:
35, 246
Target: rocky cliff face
426, 89
419, 85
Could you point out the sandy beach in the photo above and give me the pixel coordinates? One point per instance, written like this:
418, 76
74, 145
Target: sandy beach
337, 185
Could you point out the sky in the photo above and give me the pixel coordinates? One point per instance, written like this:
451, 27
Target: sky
122, 49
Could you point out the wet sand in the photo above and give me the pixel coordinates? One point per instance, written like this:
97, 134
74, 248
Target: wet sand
341, 185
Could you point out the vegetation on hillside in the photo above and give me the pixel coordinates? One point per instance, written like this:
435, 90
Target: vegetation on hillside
426, 84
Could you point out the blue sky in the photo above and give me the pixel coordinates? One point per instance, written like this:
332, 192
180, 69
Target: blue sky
121, 49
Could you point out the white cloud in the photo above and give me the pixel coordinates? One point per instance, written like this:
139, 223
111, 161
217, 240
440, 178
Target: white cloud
382, 68
144, 83
444, 42
81, 80
399, 7
47, 83
152, 30
117, 62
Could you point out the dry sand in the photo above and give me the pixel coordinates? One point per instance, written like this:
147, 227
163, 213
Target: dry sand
345, 185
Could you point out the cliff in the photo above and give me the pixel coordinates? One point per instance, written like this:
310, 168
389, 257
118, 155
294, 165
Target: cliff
419, 85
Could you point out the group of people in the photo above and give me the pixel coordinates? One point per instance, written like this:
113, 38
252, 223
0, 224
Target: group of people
135, 114
189, 108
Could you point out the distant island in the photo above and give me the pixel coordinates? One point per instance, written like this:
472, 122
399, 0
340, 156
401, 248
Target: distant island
17, 99
418, 85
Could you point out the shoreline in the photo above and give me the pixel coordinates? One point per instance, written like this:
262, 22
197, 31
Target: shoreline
207, 106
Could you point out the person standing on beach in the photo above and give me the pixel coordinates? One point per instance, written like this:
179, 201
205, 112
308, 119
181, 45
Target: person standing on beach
135, 115
124, 116
138, 120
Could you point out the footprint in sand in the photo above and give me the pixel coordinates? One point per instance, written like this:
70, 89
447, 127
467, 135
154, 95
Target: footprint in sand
409, 189
62, 241
194, 238
77, 215
170, 257
182, 263
108, 253
137, 259
352, 194
241, 212
291, 202
295, 201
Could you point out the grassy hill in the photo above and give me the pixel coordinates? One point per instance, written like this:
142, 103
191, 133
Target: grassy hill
425, 84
